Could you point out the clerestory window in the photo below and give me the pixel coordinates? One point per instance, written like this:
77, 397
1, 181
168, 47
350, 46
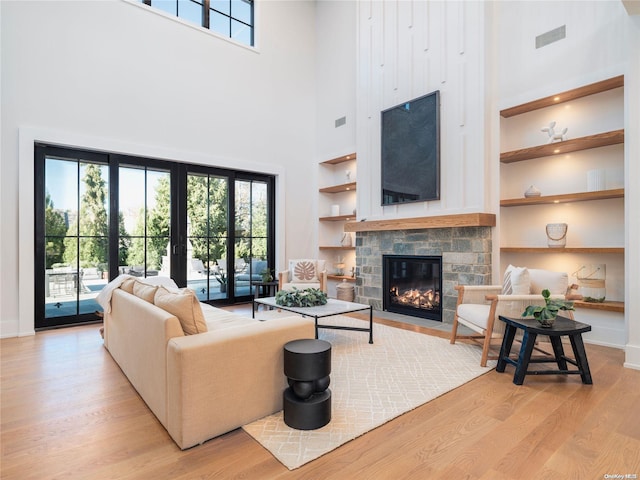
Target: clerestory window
231, 18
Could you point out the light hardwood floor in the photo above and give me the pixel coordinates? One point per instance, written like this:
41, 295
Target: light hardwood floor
68, 412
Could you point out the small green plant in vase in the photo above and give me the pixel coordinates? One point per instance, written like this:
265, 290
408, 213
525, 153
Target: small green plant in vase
547, 314
267, 275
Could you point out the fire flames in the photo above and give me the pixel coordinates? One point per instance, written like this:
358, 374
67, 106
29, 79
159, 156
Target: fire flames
427, 299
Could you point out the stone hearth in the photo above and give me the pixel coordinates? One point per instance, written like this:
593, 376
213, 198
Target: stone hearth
465, 251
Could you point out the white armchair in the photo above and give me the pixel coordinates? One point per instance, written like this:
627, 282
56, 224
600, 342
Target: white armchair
303, 273
479, 306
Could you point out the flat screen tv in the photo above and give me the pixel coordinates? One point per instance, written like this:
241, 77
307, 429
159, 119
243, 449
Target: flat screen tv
411, 151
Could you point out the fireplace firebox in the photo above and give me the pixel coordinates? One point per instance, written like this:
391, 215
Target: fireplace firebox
412, 285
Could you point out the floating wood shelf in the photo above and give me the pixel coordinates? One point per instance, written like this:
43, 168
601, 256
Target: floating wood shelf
558, 148
564, 198
342, 159
345, 187
341, 277
442, 221
608, 306
598, 87
338, 218
562, 250
336, 247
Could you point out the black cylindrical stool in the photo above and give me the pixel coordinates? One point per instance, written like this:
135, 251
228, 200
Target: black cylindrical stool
307, 401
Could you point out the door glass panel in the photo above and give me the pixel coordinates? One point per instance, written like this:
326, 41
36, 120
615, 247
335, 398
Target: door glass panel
76, 235
251, 227
144, 222
207, 227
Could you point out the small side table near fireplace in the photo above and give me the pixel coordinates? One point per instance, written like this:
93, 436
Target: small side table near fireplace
531, 329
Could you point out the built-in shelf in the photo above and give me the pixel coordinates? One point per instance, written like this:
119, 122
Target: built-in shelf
564, 198
338, 218
562, 250
558, 148
419, 223
598, 87
548, 151
608, 306
345, 187
332, 170
341, 277
342, 159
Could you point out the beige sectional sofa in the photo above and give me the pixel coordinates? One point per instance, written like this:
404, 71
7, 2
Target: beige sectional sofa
202, 385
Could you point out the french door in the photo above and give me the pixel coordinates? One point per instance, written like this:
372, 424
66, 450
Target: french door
100, 215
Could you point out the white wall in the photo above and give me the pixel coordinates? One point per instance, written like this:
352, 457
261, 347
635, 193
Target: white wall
336, 98
111, 75
335, 77
408, 49
601, 41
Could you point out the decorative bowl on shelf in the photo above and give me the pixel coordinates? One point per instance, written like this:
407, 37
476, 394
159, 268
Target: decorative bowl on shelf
532, 191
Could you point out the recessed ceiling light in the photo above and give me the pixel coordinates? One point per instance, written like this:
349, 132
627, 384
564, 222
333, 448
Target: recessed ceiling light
556, 99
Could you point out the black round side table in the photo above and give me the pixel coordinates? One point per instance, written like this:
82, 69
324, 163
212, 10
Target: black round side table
307, 401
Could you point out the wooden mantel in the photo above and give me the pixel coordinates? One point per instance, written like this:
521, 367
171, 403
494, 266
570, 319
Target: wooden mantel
419, 223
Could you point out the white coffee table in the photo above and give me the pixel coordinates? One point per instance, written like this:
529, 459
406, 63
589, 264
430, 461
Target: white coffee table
331, 308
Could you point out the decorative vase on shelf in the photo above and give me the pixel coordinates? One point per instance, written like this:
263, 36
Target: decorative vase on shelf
596, 180
346, 240
557, 235
532, 191
591, 280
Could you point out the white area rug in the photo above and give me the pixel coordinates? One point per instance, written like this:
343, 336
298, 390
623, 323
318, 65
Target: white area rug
370, 385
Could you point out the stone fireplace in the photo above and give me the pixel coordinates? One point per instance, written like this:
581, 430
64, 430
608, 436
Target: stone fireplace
412, 285
465, 252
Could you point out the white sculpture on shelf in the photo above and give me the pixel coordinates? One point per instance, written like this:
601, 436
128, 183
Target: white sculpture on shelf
553, 135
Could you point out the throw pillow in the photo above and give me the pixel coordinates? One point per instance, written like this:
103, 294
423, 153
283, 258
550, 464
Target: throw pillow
303, 271
127, 285
516, 281
185, 305
556, 282
144, 291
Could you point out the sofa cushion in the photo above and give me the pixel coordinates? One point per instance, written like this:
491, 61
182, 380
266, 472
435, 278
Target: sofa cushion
556, 282
183, 304
144, 291
475, 314
127, 285
258, 266
220, 319
516, 281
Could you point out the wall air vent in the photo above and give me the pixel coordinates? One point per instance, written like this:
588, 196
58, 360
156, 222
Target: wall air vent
551, 36
341, 121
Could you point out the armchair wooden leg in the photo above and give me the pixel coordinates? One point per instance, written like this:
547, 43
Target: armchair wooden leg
454, 329
485, 349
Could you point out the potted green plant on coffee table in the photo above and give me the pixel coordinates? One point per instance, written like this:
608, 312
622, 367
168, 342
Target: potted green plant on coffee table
547, 314
308, 297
